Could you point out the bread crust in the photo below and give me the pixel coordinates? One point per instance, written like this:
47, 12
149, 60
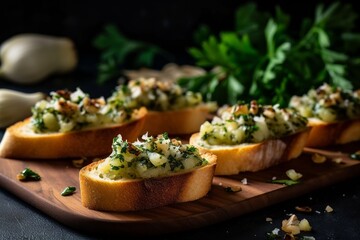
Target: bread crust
254, 157
20, 142
138, 194
325, 134
183, 121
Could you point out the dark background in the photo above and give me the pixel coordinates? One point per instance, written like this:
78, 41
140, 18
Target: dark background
169, 24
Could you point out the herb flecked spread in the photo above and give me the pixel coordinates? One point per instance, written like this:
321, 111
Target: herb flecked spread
155, 95
66, 111
251, 123
152, 157
328, 103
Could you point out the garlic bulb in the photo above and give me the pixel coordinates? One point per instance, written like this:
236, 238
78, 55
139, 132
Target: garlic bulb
16, 106
30, 58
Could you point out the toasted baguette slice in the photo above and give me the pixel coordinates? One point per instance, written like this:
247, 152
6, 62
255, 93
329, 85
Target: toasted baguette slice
325, 134
254, 157
183, 121
137, 194
20, 141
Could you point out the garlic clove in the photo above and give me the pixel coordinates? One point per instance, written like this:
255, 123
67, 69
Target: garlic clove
30, 58
16, 106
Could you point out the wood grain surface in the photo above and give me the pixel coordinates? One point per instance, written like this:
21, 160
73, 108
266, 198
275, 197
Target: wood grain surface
217, 206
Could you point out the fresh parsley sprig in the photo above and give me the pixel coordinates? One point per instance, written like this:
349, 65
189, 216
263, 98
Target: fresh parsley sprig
119, 51
267, 59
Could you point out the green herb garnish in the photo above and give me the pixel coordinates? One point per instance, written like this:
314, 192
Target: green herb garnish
118, 51
268, 59
287, 182
28, 175
68, 191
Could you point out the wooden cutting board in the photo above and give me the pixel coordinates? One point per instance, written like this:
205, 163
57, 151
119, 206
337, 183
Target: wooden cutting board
218, 205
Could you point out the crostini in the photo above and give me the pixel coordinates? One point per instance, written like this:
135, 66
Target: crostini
252, 137
333, 114
170, 108
70, 124
146, 174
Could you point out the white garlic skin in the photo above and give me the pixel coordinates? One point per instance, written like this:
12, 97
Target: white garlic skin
30, 58
16, 106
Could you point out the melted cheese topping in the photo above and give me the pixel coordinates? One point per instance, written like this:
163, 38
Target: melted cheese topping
152, 157
251, 123
66, 111
328, 104
155, 95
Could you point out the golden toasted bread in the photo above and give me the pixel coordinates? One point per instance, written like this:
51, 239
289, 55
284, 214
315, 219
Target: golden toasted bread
232, 159
20, 141
325, 134
137, 194
183, 121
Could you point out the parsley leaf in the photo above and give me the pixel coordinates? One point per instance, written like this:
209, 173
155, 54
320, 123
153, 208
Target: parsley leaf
118, 50
263, 59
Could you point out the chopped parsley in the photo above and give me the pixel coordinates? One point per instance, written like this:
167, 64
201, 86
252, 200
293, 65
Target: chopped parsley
28, 175
68, 191
152, 157
287, 182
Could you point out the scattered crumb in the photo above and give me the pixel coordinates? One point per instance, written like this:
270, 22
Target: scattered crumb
293, 226
318, 212
268, 219
78, 163
273, 178
293, 175
329, 209
337, 160
276, 231
233, 189
244, 181
305, 225
318, 158
303, 209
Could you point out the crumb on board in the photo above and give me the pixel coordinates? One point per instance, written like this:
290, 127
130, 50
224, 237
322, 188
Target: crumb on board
305, 209
318, 158
329, 209
244, 181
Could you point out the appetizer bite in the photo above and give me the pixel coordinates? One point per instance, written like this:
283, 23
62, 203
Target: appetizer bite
333, 114
70, 124
170, 108
251, 137
146, 174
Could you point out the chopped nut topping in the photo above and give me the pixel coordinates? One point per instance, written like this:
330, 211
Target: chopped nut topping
329, 209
